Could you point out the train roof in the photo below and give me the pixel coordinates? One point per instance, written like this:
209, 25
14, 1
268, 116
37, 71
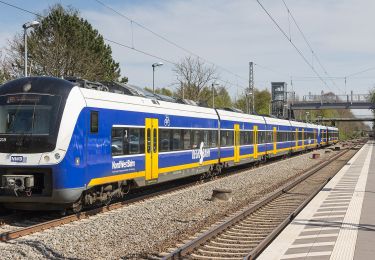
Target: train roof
310, 125
332, 128
45, 85
298, 124
141, 104
241, 117
277, 121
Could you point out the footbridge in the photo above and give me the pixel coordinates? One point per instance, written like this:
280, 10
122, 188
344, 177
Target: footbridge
331, 101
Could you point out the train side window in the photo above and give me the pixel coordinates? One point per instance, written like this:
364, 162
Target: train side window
261, 137
94, 122
117, 145
270, 136
246, 137
164, 140
229, 138
213, 138
177, 141
223, 138
127, 141
136, 140
186, 139
206, 138
196, 139
242, 138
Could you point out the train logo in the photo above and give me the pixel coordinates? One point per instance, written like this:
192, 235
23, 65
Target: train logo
201, 153
18, 159
123, 165
167, 121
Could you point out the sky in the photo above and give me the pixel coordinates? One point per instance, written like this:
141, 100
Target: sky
230, 34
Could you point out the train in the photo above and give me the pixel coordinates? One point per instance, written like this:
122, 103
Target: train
69, 143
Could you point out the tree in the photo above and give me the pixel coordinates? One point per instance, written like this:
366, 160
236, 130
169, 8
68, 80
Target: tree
347, 129
222, 97
372, 98
5, 73
262, 102
162, 91
65, 45
194, 79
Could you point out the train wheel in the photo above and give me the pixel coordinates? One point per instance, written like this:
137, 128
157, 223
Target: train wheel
77, 206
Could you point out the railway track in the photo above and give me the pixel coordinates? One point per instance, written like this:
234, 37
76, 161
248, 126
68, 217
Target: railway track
20, 224
245, 234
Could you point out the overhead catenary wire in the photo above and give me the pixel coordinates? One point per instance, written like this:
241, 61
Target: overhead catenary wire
140, 51
21, 9
168, 41
113, 41
359, 72
308, 44
293, 44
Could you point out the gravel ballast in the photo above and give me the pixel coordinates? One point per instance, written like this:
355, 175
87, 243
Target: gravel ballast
149, 227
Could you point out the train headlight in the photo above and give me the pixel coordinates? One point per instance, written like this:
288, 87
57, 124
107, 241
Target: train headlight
46, 158
57, 156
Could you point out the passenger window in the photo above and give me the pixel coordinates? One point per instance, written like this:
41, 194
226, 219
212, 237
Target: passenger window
117, 143
196, 139
230, 138
164, 139
246, 137
213, 138
136, 141
94, 122
227, 138
127, 141
177, 143
206, 138
223, 138
186, 139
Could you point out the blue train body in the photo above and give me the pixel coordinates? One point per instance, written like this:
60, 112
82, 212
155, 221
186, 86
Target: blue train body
62, 145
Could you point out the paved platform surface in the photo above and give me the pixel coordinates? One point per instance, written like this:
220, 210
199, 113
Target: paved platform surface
339, 223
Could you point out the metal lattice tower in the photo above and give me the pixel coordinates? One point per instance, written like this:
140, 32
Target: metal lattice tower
251, 91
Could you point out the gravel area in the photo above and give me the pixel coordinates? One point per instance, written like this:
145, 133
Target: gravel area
148, 227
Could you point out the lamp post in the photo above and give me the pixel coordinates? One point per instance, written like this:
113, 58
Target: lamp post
26, 26
157, 64
213, 93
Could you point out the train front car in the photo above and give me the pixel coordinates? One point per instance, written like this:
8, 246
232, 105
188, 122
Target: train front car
37, 155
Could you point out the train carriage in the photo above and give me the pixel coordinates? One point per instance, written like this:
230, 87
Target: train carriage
282, 135
311, 135
241, 137
332, 135
63, 145
322, 137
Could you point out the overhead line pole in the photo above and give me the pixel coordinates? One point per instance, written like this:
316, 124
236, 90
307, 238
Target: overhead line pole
251, 88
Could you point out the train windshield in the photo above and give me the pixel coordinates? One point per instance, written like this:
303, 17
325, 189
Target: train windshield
31, 114
28, 122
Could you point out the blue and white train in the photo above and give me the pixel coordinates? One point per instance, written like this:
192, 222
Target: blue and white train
63, 145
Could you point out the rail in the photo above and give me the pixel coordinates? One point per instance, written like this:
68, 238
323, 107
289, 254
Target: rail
191, 246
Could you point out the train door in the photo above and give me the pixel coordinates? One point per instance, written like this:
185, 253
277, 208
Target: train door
152, 148
315, 138
274, 132
236, 143
303, 138
296, 137
255, 138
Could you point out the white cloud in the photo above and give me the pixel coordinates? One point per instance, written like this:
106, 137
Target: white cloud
232, 33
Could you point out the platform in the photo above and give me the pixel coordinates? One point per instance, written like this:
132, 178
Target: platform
339, 223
